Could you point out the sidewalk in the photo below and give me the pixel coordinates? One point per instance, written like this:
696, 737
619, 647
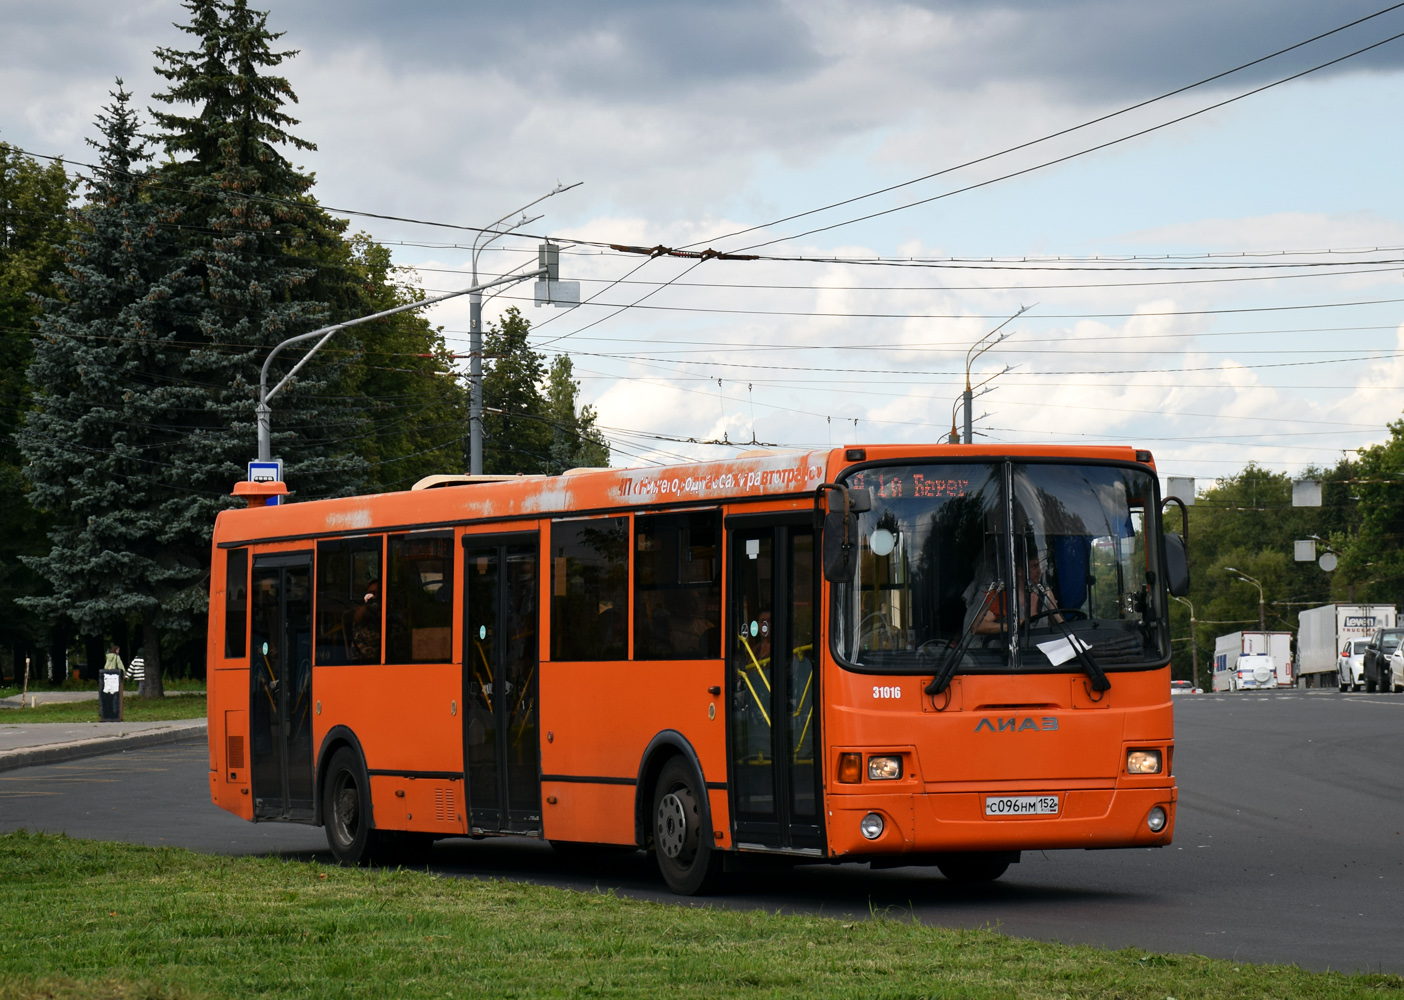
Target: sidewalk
53, 697
24, 744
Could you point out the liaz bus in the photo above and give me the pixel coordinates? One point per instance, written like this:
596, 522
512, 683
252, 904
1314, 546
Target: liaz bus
940, 655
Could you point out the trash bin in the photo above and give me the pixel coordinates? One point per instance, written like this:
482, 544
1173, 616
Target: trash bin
110, 696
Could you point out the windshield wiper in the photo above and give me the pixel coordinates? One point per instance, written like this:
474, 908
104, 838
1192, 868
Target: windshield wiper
946, 668
1082, 650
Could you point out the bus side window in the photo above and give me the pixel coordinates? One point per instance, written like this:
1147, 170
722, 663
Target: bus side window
677, 586
236, 603
419, 599
590, 589
349, 593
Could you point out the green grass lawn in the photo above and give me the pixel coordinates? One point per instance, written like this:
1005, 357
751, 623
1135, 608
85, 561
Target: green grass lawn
134, 709
90, 919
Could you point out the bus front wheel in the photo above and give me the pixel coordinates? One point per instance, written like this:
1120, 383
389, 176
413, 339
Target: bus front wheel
346, 810
971, 868
688, 863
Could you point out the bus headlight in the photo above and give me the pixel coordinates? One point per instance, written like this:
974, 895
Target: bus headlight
1143, 762
872, 824
1156, 820
884, 768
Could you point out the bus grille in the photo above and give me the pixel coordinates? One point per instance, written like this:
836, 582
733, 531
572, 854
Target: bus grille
444, 805
235, 752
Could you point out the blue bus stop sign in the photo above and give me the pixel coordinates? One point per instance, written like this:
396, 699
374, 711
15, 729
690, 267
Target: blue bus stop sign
267, 472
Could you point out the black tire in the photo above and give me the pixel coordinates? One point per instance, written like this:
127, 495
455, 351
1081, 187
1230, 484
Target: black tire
690, 865
346, 810
968, 869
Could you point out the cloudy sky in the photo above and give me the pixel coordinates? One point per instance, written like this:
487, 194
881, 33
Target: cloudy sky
1222, 289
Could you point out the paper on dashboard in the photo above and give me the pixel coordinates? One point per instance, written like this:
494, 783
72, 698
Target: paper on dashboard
1062, 650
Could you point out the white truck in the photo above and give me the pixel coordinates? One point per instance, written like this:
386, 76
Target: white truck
1323, 656
1253, 660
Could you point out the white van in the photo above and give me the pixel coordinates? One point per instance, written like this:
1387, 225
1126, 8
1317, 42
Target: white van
1255, 670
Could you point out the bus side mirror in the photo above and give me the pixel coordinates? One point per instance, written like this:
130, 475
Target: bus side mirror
841, 530
840, 546
1177, 576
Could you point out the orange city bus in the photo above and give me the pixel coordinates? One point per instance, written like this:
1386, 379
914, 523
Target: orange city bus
902, 655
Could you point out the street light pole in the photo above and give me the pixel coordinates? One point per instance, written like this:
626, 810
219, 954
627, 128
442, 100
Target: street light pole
970, 356
1194, 643
475, 325
1262, 604
265, 395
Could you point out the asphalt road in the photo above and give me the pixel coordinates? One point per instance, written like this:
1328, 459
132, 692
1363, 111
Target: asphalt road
1289, 846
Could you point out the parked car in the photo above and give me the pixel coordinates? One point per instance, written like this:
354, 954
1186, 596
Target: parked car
1396, 668
1377, 653
1352, 665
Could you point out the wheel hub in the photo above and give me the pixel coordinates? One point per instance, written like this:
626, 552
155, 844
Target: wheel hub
672, 825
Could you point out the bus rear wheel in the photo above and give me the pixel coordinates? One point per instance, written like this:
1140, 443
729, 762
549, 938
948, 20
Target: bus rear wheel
967, 869
688, 863
346, 810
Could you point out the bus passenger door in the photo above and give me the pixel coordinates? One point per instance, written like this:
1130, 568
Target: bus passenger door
772, 679
501, 749
280, 706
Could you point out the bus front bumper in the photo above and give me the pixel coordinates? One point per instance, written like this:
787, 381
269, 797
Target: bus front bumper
934, 822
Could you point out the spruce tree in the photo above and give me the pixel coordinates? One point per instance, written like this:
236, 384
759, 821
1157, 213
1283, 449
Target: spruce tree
575, 442
34, 220
525, 430
269, 258
113, 412
516, 435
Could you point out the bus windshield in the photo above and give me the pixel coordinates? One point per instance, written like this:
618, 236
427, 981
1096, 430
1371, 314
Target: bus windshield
1010, 558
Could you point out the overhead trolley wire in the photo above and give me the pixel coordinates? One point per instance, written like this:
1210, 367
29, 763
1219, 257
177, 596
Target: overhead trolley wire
1088, 150
1053, 135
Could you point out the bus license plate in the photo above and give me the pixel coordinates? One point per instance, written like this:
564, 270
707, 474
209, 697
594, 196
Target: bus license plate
1021, 805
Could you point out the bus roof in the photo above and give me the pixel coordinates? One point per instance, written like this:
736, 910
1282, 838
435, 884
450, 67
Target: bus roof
750, 476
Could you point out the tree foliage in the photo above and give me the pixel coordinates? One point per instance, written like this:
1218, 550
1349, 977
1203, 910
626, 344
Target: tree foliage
1246, 521
179, 282
1374, 553
34, 222
533, 422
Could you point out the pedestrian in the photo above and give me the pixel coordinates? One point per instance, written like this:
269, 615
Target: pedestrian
136, 670
114, 659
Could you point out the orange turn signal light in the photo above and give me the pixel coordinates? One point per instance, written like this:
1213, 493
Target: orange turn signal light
850, 769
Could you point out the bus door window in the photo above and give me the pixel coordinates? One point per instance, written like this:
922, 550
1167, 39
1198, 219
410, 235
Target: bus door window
419, 599
803, 678
349, 606
774, 725
590, 589
500, 659
482, 590
753, 598
677, 586
280, 707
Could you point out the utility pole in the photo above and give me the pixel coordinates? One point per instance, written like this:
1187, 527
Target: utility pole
475, 324
983, 345
1262, 604
1194, 642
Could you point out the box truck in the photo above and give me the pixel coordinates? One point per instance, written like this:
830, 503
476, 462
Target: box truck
1323, 638
1253, 660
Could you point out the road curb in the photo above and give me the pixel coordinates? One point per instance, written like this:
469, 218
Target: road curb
56, 753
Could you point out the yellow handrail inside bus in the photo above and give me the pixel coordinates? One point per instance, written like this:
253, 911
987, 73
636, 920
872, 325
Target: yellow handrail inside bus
478, 645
